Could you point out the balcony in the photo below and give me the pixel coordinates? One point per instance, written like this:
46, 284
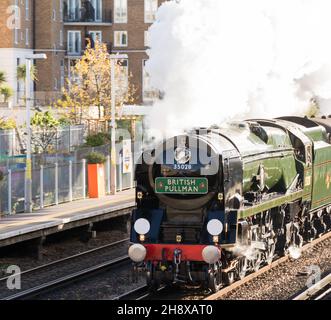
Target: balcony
87, 16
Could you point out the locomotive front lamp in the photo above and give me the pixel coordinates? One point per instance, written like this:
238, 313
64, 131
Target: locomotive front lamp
215, 239
215, 227
211, 254
137, 252
142, 226
139, 195
142, 238
178, 238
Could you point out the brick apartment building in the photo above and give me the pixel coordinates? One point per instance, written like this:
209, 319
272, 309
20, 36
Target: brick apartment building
59, 28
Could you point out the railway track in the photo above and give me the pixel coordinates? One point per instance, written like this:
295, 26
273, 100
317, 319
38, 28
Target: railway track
140, 293
69, 278
318, 291
223, 292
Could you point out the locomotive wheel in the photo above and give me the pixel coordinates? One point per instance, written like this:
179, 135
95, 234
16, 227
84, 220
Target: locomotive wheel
242, 267
327, 221
320, 226
269, 254
214, 278
228, 277
256, 262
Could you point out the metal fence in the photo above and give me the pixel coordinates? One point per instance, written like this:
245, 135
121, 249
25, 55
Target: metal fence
8, 143
65, 140
54, 184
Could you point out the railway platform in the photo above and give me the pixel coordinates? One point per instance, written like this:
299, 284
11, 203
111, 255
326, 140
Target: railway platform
41, 223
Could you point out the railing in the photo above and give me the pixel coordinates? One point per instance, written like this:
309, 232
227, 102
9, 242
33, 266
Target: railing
7, 142
56, 183
83, 48
87, 15
65, 140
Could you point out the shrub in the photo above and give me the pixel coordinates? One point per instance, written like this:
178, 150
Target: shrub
7, 92
6, 124
97, 140
64, 122
95, 158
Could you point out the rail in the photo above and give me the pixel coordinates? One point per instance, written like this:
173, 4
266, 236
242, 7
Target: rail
223, 292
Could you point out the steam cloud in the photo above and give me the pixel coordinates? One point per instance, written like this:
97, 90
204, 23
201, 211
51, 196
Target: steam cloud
217, 60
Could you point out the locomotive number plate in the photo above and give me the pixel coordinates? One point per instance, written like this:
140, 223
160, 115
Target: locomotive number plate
181, 185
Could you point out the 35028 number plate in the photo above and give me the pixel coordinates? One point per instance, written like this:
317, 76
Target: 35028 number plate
181, 185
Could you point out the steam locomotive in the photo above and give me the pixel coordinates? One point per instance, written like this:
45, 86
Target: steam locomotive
216, 203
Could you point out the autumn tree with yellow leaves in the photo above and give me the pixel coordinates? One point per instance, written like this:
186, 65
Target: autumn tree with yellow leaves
90, 86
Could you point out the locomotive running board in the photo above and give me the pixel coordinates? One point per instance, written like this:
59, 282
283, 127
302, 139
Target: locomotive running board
269, 204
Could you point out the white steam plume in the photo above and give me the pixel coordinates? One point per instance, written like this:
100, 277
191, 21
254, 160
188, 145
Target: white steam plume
217, 60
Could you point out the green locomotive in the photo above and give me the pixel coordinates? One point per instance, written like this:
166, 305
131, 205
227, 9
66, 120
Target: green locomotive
216, 203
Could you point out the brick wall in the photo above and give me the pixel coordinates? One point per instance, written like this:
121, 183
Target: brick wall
48, 27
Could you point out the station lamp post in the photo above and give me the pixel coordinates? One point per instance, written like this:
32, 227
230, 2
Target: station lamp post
114, 58
28, 172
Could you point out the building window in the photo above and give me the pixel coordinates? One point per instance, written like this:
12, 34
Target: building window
54, 15
18, 87
97, 6
27, 36
121, 11
74, 42
55, 84
27, 11
151, 7
121, 38
149, 94
88, 10
123, 77
61, 38
17, 11
16, 36
73, 9
146, 39
62, 74
96, 35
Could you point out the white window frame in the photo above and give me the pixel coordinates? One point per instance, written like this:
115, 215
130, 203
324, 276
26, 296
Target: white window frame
116, 44
123, 90
54, 15
61, 38
62, 74
149, 10
144, 98
93, 2
61, 10
17, 16
122, 7
27, 36
27, 10
16, 35
146, 38
79, 3
80, 42
95, 32
153, 92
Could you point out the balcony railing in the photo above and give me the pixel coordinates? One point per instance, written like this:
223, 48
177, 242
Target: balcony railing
83, 47
87, 15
